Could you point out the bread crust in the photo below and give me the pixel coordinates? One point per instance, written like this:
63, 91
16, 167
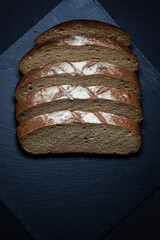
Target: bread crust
71, 40
75, 117
83, 23
100, 68
68, 92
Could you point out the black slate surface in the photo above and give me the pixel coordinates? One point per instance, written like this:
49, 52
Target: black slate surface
74, 196
142, 224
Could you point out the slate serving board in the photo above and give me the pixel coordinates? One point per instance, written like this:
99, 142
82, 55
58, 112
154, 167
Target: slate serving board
74, 196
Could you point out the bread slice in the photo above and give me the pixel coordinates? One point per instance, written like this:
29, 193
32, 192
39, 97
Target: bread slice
87, 27
79, 131
67, 97
86, 73
70, 48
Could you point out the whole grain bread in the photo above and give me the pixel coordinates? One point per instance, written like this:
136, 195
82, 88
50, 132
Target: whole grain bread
67, 97
86, 73
79, 131
87, 27
79, 47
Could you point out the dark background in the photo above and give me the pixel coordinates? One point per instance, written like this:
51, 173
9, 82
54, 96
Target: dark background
142, 20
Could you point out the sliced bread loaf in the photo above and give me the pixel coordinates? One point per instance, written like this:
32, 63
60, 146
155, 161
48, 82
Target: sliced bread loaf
67, 97
79, 131
72, 48
86, 73
88, 27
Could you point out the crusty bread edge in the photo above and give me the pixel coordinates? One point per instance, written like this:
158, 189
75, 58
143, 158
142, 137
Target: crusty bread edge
83, 23
34, 74
52, 43
42, 121
118, 96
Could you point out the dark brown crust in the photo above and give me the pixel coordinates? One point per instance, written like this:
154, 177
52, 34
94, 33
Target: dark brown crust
41, 72
118, 96
52, 43
39, 122
83, 23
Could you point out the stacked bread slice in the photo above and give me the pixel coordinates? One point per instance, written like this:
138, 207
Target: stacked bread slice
79, 92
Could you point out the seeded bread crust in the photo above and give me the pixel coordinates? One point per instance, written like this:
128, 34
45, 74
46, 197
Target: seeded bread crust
71, 93
81, 23
101, 68
78, 40
80, 117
